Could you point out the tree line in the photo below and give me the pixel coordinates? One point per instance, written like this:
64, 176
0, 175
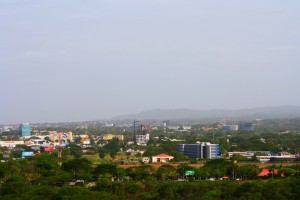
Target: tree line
41, 177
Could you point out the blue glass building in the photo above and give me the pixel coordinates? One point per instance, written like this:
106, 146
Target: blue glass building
230, 127
25, 130
201, 150
246, 127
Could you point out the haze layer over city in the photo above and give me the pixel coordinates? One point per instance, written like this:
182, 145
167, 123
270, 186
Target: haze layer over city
76, 60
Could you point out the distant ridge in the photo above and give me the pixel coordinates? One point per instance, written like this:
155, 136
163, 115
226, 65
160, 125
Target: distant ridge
239, 114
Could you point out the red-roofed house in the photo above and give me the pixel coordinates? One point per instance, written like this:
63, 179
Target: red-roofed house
162, 158
265, 173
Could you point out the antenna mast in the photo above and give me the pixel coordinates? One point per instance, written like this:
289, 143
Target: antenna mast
134, 131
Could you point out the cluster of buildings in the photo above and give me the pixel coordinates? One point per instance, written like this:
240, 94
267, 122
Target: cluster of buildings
53, 139
111, 136
38, 143
243, 127
49, 142
143, 137
200, 150
161, 158
268, 155
64, 136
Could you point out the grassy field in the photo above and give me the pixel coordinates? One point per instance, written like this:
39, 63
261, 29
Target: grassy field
157, 165
95, 159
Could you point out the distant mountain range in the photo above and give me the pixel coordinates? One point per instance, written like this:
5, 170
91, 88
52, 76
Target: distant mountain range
240, 114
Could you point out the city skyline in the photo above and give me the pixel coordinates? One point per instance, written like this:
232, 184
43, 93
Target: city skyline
86, 60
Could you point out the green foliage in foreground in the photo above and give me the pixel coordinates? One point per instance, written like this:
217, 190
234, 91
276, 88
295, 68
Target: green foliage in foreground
40, 177
288, 188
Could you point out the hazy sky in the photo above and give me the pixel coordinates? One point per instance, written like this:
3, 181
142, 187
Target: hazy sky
76, 60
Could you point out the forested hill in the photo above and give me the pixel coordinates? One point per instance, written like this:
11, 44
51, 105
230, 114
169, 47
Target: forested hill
241, 114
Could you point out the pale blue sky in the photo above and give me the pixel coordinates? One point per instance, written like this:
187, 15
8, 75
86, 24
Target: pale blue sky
76, 60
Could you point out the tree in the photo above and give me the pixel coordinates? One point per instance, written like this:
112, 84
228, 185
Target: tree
218, 168
45, 165
132, 187
143, 172
60, 178
105, 170
76, 192
203, 173
102, 152
78, 166
179, 156
152, 151
14, 185
247, 171
239, 158
166, 171
112, 146
16, 154
3, 150
286, 171
113, 154
47, 138
75, 150
272, 169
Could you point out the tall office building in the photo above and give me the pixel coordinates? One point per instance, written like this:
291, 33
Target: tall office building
231, 127
25, 130
246, 127
200, 150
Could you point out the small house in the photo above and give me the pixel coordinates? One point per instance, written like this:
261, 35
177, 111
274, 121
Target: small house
162, 158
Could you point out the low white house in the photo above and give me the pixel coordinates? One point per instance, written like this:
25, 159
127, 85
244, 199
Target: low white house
11, 144
145, 159
163, 158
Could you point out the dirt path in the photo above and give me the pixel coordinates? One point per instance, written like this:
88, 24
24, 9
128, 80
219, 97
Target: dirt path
157, 165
